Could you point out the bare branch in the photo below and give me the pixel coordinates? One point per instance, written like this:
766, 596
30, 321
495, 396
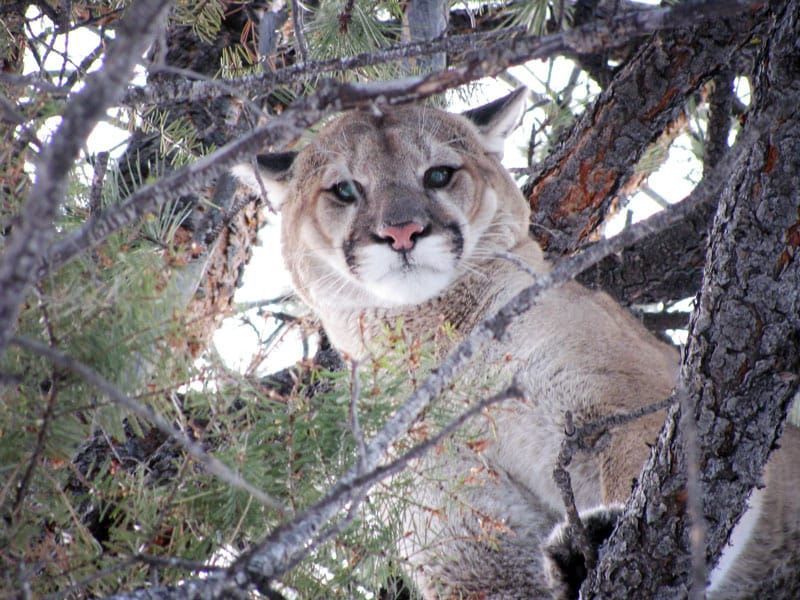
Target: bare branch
261, 85
298, 26
482, 61
427, 20
517, 262
564, 483
96, 192
41, 440
355, 428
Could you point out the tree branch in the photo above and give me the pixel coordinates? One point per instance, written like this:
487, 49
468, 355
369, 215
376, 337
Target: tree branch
427, 20
573, 188
741, 362
592, 37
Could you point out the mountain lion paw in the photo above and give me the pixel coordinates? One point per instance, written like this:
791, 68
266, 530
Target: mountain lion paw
564, 565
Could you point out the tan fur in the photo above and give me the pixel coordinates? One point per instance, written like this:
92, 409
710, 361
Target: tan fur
478, 519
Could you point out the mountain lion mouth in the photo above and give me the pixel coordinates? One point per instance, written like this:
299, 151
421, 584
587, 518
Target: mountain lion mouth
407, 277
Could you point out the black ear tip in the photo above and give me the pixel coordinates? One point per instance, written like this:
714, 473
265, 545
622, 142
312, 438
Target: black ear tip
484, 114
276, 162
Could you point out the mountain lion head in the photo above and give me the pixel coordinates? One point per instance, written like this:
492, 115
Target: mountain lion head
388, 208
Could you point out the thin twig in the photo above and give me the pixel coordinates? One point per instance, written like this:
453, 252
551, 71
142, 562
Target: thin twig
564, 483
575, 439
174, 562
355, 428
85, 64
41, 439
212, 464
299, 34
517, 262
9, 113
34, 80
593, 428
47, 417
245, 306
96, 192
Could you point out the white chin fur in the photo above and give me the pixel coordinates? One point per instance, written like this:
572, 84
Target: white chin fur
383, 273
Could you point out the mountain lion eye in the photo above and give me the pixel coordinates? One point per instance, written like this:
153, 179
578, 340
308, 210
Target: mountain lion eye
347, 191
437, 177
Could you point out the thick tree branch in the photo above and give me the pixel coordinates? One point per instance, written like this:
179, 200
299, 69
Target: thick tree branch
742, 358
30, 238
573, 187
427, 20
667, 266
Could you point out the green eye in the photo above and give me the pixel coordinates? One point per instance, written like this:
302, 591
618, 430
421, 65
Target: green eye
347, 191
437, 177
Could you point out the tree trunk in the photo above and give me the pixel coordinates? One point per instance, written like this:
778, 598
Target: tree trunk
742, 359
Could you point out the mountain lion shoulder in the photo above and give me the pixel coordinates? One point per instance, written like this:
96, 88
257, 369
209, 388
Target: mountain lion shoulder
403, 214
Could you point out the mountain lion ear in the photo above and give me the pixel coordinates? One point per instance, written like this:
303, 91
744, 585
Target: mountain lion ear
274, 171
496, 120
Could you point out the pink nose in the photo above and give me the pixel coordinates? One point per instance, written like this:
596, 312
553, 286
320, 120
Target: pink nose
401, 236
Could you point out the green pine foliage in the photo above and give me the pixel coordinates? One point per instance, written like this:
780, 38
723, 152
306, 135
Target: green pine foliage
205, 18
341, 28
535, 14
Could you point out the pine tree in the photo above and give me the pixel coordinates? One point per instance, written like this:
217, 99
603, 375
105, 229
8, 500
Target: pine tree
136, 463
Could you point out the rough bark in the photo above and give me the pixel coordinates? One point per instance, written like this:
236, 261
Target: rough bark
667, 266
572, 189
213, 245
597, 64
743, 355
427, 20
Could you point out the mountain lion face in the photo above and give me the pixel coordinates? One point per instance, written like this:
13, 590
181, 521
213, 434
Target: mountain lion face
388, 209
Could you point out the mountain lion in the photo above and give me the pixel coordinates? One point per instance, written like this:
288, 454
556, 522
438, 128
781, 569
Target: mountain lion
404, 214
